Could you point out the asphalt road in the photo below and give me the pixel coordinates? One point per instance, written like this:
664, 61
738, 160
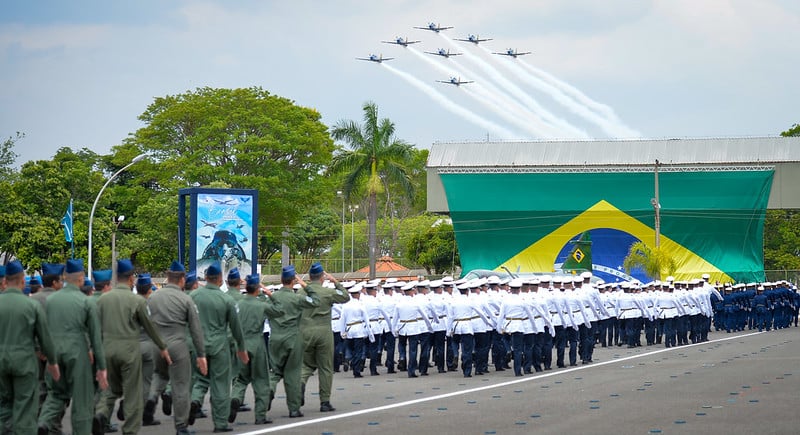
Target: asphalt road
735, 383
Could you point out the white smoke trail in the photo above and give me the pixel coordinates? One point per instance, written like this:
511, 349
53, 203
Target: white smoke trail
612, 128
573, 92
526, 99
452, 106
500, 103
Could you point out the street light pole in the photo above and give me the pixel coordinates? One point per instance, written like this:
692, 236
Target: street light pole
656, 203
94, 206
352, 238
340, 193
117, 221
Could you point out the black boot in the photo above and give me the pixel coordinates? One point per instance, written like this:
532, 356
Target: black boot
302, 394
148, 418
120, 411
166, 403
234, 410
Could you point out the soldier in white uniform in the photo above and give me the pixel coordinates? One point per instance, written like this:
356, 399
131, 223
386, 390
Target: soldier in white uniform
355, 329
460, 316
409, 320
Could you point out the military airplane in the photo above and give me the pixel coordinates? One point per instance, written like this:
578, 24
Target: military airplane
401, 41
512, 53
433, 27
454, 81
375, 58
208, 224
225, 202
444, 53
475, 39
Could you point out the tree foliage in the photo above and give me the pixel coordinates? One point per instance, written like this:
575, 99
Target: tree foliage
435, 249
655, 262
782, 240
375, 159
794, 131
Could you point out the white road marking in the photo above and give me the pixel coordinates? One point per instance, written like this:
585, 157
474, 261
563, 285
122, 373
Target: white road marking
484, 387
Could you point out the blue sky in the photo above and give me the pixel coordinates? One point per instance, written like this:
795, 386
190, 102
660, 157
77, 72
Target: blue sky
79, 73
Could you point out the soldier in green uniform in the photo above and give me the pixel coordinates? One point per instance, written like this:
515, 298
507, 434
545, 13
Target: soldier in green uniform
22, 323
144, 288
74, 319
254, 309
172, 311
218, 315
52, 281
285, 341
318, 335
122, 314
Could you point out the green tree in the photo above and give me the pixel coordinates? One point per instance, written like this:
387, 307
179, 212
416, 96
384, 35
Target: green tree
794, 131
375, 157
8, 156
782, 240
435, 249
655, 262
244, 138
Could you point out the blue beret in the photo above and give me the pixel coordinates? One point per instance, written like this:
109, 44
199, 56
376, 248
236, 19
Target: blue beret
88, 282
191, 277
176, 267
316, 269
253, 279
215, 269
102, 275
288, 272
234, 274
74, 265
15, 267
35, 280
144, 279
48, 269
2, 271
124, 266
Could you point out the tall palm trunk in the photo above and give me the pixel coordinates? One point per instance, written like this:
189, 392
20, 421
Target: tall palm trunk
372, 218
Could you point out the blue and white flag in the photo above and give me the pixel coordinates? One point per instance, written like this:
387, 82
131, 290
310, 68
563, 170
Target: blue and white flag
67, 222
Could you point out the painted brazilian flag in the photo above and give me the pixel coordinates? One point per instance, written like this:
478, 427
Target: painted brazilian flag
711, 221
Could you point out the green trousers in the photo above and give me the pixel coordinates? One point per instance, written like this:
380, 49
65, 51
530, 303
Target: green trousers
255, 373
219, 381
318, 355
286, 353
124, 364
76, 384
19, 392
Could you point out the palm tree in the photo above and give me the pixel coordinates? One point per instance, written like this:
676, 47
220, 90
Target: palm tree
654, 261
374, 156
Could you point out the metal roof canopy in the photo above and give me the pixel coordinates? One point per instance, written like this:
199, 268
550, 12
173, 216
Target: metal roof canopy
710, 154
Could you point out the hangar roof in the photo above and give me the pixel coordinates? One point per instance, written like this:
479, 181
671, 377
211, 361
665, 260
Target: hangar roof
615, 153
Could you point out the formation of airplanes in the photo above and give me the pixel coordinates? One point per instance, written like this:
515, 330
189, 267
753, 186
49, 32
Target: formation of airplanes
436, 28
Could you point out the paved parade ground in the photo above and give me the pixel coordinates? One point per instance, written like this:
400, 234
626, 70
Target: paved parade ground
735, 383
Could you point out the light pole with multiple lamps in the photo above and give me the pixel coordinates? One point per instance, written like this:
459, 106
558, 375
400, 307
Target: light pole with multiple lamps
96, 200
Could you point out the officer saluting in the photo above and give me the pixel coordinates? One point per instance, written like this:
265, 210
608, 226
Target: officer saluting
21, 322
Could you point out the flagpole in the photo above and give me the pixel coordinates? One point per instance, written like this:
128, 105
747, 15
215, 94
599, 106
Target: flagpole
72, 242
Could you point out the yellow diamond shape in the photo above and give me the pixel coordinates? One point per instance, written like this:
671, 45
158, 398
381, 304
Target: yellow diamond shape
578, 255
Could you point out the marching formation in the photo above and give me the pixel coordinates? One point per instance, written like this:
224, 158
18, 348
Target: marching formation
97, 348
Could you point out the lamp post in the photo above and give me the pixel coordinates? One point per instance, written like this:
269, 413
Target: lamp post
655, 202
94, 206
352, 238
117, 221
340, 193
